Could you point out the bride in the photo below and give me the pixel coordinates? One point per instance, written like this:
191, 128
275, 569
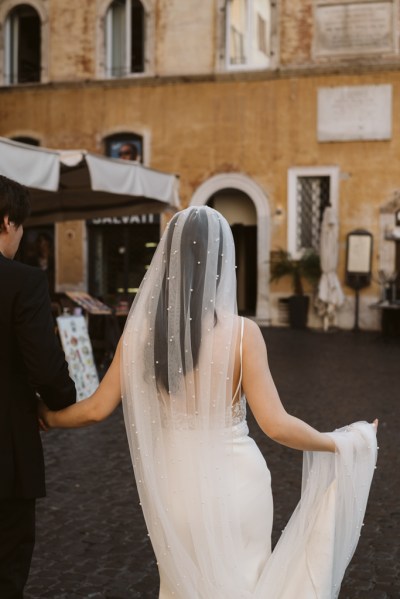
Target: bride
185, 366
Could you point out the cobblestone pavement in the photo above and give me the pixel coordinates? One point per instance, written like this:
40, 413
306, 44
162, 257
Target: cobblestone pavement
91, 538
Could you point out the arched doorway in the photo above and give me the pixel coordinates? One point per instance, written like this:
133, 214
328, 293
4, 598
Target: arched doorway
244, 204
240, 213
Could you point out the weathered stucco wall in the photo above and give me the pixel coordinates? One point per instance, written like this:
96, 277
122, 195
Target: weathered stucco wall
185, 35
198, 123
182, 38
72, 40
199, 129
296, 31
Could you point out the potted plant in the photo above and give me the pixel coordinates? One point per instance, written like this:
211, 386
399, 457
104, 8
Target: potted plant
307, 267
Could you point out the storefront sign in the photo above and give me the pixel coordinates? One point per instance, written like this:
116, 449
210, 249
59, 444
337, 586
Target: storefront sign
78, 353
133, 219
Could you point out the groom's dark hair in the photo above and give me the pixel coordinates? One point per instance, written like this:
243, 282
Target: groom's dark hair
14, 201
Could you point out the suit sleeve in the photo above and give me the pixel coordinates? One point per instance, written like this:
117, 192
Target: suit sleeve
40, 349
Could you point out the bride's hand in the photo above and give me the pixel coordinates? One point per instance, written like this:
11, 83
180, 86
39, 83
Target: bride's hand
43, 414
375, 424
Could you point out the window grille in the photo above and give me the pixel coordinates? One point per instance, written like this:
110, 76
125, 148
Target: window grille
313, 195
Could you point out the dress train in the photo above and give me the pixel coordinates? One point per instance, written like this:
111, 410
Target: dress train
320, 538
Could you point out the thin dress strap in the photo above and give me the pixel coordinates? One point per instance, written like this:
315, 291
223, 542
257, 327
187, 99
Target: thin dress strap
241, 363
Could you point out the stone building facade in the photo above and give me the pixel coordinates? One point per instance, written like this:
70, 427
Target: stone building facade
267, 109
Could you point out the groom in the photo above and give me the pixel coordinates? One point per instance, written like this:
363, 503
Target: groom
31, 362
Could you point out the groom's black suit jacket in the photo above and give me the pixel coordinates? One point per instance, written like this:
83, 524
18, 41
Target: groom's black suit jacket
31, 359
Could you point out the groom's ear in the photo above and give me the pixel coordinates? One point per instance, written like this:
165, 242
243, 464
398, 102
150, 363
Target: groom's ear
4, 223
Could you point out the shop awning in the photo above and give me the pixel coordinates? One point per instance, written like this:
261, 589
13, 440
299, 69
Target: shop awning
75, 184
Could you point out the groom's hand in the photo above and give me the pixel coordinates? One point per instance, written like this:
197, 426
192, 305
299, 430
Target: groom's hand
43, 411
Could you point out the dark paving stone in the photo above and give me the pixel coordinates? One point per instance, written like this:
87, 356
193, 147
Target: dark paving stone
91, 539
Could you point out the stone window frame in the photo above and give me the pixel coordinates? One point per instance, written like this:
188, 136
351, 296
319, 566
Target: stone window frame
142, 132
149, 37
122, 138
333, 172
5, 8
223, 53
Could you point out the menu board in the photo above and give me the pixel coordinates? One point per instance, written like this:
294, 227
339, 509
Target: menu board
78, 353
359, 254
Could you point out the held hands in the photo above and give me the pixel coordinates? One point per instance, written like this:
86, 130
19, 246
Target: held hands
43, 416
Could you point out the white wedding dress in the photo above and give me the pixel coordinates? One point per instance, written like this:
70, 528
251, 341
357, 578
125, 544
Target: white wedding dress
316, 546
204, 487
251, 505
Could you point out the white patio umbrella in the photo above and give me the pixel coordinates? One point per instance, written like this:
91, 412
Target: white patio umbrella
75, 184
330, 295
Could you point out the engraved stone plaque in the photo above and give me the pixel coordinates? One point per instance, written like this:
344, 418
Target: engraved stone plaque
354, 28
359, 112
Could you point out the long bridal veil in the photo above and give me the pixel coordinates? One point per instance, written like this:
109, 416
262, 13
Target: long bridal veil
178, 356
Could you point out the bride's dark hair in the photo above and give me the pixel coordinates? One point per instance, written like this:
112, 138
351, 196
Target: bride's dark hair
193, 248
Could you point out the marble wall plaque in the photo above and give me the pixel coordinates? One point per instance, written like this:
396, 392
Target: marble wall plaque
354, 28
359, 112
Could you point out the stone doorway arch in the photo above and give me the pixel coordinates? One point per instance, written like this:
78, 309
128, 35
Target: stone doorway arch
246, 185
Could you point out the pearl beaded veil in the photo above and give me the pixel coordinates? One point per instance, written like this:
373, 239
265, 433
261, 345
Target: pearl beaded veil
177, 367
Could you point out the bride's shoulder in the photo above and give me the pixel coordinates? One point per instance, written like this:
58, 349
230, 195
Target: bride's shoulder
251, 328
252, 336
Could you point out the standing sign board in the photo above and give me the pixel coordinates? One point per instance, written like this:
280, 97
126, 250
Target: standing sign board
79, 355
358, 259
358, 264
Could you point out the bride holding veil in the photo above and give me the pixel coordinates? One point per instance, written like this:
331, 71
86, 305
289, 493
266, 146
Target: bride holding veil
185, 366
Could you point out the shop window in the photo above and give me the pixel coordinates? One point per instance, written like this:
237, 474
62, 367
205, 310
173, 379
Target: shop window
115, 144
248, 33
124, 34
22, 62
120, 251
121, 248
310, 192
